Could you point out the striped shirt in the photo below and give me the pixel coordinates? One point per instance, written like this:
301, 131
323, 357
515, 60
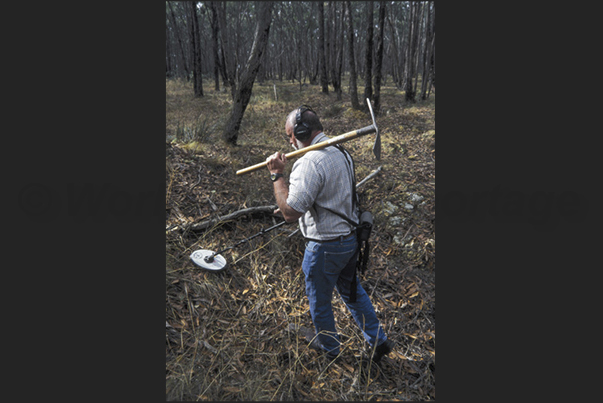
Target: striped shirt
319, 179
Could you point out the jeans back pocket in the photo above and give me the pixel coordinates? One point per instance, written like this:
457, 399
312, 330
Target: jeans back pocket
335, 261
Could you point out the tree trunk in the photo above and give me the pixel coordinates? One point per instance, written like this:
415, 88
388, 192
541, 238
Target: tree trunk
352, 60
227, 52
249, 72
195, 41
427, 56
418, 47
214, 39
169, 72
411, 49
394, 45
328, 41
182, 63
333, 22
324, 80
379, 61
368, 57
340, 42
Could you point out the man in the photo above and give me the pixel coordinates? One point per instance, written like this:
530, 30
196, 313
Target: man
320, 192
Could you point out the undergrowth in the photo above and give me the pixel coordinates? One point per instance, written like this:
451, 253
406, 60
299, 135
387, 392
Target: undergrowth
230, 335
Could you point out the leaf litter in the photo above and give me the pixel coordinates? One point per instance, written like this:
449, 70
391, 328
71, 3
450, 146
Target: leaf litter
228, 333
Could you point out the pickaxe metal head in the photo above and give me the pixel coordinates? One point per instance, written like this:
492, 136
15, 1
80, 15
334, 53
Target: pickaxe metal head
377, 145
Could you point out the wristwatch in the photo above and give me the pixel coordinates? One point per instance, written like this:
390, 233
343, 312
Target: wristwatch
274, 177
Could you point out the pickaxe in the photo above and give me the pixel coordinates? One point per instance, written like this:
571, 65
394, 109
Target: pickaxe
335, 140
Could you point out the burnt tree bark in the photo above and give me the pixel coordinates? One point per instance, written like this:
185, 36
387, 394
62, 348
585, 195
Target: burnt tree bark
324, 80
242, 93
379, 58
195, 41
337, 47
214, 40
351, 59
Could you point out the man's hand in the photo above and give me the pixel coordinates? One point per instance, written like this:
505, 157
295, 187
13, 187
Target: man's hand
276, 163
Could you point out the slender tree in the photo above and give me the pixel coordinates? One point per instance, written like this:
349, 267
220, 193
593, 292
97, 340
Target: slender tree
214, 41
428, 53
169, 69
195, 42
368, 56
324, 80
315, 41
242, 93
227, 53
351, 59
411, 52
177, 34
379, 57
396, 76
336, 36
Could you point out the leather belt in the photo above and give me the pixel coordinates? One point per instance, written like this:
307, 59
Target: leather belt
339, 238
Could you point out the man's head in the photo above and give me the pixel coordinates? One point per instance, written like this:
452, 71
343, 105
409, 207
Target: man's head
301, 126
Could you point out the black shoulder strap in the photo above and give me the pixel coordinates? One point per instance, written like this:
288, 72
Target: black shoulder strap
354, 195
362, 258
353, 170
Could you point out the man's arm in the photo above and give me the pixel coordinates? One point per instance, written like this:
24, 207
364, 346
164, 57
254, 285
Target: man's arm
276, 164
281, 192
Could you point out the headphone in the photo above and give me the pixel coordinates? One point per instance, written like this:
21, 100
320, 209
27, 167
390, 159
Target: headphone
301, 130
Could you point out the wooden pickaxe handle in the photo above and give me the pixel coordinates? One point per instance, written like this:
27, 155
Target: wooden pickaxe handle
318, 146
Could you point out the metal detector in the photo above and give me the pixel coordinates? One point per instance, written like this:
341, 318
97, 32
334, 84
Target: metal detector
208, 260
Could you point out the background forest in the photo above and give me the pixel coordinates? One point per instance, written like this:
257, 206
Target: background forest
234, 70
305, 42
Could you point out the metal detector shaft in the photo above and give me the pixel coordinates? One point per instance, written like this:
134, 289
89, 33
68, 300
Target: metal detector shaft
262, 232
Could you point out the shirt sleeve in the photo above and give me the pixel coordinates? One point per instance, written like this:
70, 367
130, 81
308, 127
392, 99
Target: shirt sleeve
305, 183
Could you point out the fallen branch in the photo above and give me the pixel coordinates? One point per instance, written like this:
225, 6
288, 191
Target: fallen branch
211, 222
370, 176
251, 210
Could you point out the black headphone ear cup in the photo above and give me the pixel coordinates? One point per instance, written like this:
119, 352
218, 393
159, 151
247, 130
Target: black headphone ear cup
301, 130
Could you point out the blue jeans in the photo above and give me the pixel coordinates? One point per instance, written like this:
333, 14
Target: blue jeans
327, 265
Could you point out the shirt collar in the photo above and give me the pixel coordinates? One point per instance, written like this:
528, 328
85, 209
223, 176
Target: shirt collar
319, 137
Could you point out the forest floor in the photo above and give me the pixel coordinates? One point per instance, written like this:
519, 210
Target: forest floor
228, 332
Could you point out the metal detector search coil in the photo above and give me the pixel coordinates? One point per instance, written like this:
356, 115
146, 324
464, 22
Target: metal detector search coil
215, 263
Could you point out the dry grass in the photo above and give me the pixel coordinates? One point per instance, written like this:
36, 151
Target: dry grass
228, 333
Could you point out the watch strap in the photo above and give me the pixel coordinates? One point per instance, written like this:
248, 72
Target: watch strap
275, 177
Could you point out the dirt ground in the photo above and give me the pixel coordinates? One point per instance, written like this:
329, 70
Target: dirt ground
229, 333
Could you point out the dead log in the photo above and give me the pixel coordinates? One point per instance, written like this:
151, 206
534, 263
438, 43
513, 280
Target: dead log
251, 210
213, 221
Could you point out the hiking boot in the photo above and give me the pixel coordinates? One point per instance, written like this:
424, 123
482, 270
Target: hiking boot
383, 349
310, 336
